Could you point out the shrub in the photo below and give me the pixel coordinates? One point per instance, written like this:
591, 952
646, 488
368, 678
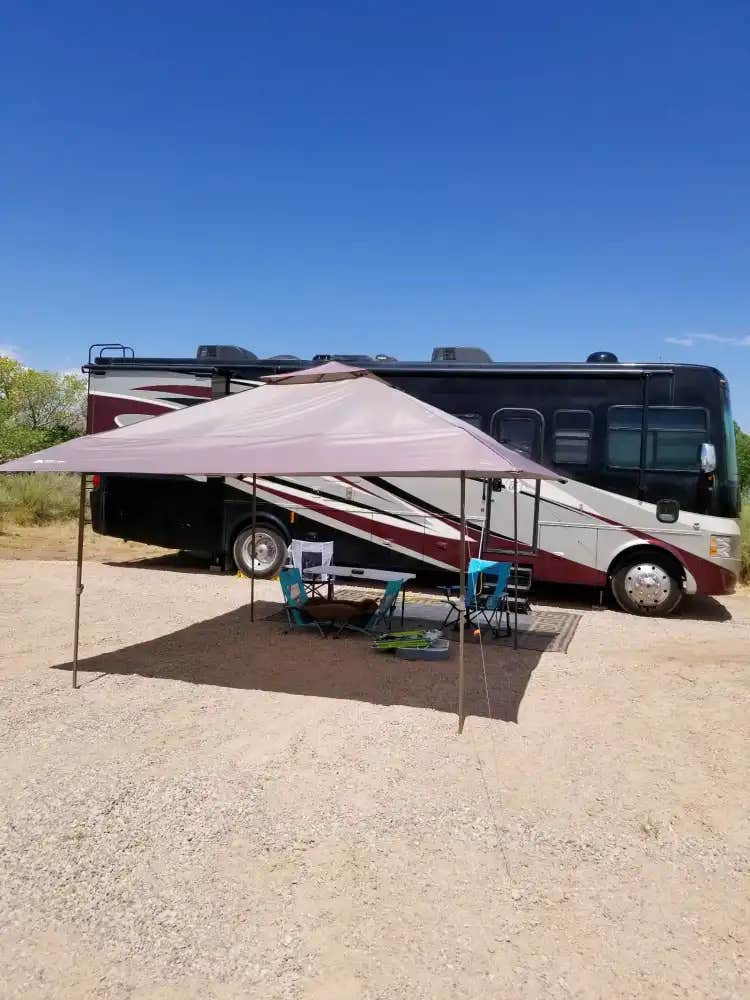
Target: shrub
743, 458
745, 569
17, 441
38, 498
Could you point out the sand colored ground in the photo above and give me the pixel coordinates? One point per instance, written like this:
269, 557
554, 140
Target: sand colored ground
58, 541
226, 811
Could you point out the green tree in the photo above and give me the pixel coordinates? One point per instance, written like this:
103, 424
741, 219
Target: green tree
743, 458
37, 409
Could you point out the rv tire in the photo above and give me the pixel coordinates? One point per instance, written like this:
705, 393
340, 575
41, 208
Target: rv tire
270, 549
645, 584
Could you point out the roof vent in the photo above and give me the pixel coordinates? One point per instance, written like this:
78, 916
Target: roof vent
461, 355
223, 352
602, 358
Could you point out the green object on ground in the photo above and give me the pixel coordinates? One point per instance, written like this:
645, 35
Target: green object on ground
409, 639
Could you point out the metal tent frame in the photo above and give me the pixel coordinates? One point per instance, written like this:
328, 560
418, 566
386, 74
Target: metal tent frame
462, 580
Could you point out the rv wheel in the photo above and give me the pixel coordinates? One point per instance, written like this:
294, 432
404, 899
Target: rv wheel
646, 586
270, 551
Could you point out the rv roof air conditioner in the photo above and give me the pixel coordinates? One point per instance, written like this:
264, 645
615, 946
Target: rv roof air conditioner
224, 352
462, 355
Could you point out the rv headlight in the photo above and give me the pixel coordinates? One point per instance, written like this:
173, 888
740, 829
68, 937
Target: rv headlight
724, 546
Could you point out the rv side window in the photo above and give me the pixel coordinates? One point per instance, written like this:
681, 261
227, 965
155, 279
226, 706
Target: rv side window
624, 437
572, 437
674, 435
519, 429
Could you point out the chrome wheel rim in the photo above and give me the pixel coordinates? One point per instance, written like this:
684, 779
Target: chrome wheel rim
266, 551
647, 585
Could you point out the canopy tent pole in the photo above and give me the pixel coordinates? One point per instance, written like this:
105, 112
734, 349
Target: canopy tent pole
252, 553
515, 561
79, 576
462, 606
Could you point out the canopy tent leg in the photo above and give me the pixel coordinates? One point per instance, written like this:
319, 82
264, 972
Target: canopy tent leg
252, 552
462, 606
79, 576
515, 561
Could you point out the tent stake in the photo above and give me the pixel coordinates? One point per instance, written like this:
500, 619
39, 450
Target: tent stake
252, 555
79, 575
515, 564
462, 606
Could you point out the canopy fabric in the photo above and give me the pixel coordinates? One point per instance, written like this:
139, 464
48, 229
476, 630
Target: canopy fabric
331, 371
344, 424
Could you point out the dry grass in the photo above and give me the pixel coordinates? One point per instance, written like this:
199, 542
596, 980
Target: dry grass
57, 541
38, 498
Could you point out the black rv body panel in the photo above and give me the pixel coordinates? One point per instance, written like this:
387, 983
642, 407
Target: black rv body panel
605, 425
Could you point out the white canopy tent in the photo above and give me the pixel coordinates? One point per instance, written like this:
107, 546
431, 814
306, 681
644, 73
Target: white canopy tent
328, 420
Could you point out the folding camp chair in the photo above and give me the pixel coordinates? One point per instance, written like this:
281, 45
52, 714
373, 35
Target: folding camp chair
488, 607
295, 599
453, 613
381, 616
305, 554
452, 592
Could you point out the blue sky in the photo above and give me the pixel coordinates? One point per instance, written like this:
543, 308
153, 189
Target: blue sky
542, 180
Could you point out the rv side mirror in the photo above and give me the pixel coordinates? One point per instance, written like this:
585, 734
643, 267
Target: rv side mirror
708, 457
496, 485
667, 511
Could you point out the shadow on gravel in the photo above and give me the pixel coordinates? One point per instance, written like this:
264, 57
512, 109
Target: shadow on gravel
229, 651
703, 609
699, 609
176, 562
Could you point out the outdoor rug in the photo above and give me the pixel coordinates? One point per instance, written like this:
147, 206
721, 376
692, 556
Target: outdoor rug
544, 631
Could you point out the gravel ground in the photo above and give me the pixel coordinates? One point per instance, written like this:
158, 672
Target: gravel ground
225, 811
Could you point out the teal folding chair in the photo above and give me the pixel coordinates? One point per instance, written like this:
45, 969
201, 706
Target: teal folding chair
295, 599
480, 604
489, 606
370, 623
452, 592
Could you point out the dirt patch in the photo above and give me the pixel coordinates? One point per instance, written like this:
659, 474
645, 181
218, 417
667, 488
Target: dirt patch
223, 810
58, 541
